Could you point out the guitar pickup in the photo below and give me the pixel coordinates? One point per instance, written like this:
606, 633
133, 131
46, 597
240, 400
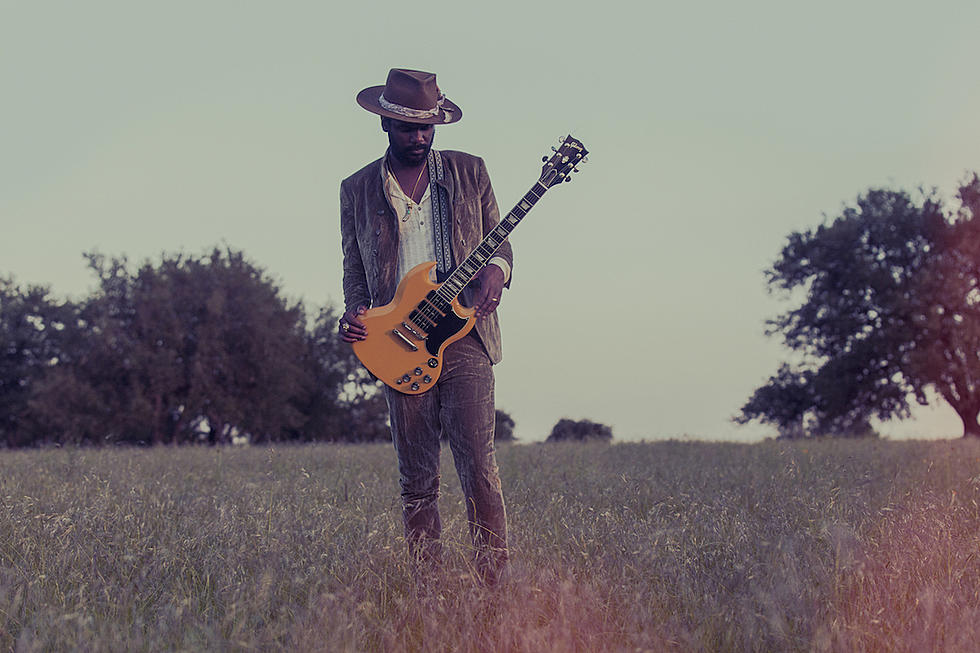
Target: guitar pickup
415, 333
404, 339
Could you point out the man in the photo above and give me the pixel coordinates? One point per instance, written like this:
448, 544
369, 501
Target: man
412, 205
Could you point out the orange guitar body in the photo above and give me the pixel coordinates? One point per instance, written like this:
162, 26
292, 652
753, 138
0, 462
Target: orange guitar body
403, 348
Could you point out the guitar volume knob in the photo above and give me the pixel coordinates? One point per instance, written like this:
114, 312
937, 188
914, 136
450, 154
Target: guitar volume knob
415, 386
433, 362
418, 371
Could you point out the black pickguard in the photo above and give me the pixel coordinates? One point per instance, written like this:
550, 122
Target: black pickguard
447, 326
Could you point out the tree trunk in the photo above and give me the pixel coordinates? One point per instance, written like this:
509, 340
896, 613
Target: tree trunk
157, 419
971, 429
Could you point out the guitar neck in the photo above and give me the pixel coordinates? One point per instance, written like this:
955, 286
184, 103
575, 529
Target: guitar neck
478, 259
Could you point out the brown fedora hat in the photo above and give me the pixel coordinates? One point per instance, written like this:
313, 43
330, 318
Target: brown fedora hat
412, 96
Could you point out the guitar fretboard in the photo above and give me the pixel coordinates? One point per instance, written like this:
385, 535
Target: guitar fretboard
479, 257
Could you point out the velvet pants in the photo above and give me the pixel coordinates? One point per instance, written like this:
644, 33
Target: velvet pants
460, 407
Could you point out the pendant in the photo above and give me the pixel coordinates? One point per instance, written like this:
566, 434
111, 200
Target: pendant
408, 210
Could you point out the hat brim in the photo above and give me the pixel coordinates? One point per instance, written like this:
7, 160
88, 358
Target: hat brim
447, 115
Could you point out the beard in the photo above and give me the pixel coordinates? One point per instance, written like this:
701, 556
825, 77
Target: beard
412, 156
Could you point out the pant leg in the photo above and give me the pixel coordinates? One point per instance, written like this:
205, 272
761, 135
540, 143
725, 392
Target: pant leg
415, 432
466, 394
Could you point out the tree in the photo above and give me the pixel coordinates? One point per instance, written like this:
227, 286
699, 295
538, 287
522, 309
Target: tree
890, 309
579, 430
503, 427
188, 347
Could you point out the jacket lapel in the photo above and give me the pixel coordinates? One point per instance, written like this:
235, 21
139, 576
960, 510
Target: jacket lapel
383, 229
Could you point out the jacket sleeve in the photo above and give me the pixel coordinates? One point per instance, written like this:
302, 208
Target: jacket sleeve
356, 291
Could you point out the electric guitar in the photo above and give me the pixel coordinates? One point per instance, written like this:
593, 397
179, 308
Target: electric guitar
407, 336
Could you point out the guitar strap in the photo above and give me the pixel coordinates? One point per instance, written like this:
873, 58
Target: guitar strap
441, 217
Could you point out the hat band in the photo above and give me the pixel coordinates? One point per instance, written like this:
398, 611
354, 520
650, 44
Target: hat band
409, 112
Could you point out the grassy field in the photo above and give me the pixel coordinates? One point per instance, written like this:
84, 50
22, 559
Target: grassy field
810, 546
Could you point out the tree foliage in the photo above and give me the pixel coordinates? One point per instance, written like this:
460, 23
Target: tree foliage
345, 402
34, 328
503, 427
890, 309
948, 355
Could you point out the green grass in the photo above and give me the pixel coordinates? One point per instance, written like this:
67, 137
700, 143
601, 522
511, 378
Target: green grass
813, 546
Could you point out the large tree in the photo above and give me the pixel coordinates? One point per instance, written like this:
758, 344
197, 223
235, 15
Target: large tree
189, 347
889, 309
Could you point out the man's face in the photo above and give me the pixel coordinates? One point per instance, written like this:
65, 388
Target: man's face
410, 142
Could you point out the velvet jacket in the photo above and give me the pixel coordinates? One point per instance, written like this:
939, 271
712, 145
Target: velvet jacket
369, 233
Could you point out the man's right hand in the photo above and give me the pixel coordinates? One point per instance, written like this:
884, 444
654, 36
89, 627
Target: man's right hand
351, 329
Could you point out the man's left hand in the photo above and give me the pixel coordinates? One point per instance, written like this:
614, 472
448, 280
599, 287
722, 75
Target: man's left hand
490, 286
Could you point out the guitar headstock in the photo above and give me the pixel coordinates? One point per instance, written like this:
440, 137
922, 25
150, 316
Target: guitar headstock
569, 153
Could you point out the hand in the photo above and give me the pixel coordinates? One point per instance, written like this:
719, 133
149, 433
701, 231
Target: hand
490, 286
351, 328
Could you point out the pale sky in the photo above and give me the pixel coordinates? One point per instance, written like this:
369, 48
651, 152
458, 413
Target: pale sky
638, 297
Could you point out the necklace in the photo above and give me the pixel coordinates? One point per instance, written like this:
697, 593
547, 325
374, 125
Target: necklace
416, 186
411, 197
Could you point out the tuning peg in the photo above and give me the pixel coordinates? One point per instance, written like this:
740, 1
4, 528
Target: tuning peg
585, 159
568, 178
554, 149
544, 159
574, 169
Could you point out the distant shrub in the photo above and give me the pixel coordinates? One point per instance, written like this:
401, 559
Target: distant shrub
584, 429
503, 430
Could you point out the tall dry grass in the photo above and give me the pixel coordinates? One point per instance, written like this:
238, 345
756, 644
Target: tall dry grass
816, 546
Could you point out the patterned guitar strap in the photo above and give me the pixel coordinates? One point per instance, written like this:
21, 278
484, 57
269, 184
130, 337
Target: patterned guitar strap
441, 217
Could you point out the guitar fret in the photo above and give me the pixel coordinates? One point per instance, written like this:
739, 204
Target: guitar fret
451, 288
429, 310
